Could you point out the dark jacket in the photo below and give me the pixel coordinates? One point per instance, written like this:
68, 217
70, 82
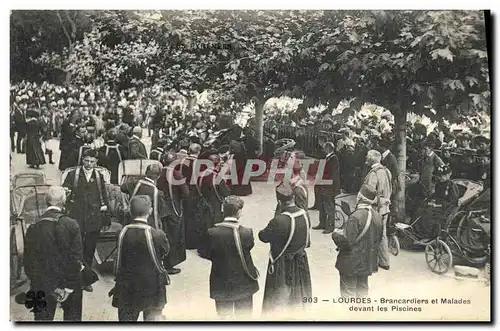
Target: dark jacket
332, 173
109, 158
138, 284
85, 201
148, 187
391, 163
228, 280
53, 253
359, 258
136, 149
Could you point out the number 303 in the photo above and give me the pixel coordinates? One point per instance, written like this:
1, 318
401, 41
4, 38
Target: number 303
309, 299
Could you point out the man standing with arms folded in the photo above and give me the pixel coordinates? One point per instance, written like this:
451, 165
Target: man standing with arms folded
53, 259
233, 278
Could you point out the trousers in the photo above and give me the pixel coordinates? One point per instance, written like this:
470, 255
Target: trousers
89, 241
72, 308
326, 211
131, 314
238, 308
383, 247
353, 286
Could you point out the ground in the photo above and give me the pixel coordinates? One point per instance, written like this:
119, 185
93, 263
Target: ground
188, 294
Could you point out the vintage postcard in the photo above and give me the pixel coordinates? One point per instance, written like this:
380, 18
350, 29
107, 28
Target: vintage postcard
250, 165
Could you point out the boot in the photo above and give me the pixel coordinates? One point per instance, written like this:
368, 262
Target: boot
49, 153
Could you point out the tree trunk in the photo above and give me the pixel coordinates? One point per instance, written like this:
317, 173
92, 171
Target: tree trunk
259, 122
190, 102
400, 130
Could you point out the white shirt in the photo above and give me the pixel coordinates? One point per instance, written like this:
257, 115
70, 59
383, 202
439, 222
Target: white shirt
140, 219
231, 219
88, 173
384, 154
376, 164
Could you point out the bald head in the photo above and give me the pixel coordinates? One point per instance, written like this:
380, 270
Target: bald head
329, 147
137, 131
373, 157
56, 196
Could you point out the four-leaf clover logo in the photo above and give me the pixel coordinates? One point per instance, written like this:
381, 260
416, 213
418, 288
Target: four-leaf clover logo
35, 301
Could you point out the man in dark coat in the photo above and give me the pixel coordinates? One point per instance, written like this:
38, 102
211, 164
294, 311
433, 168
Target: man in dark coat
53, 259
68, 130
18, 125
140, 276
288, 278
34, 152
390, 162
136, 149
240, 158
147, 186
213, 190
328, 192
358, 244
158, 151
173, 185
189, 167
88, 203
111, 155
233, 277
83, 142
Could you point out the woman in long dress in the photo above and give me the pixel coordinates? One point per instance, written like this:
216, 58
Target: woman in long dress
34, 152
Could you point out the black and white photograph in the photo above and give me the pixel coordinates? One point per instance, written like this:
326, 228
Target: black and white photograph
250, 165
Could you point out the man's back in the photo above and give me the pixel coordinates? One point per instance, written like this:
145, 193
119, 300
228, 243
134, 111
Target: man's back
278, 231
228, 279
53, 252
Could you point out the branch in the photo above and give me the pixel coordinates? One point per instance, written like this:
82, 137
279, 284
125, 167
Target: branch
64, 28
73, 26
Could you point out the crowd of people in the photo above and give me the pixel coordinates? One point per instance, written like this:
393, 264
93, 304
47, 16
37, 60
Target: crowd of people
163, 219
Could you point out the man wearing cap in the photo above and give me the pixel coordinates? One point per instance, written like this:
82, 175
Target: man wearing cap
240, 158
147, 186
233, 276
327, 192
288, 278
380, 178
213, 190
173, 185
53, 259
136, 149
111, 155
357, 244
88, 203
141, 278
189, 169
84, 142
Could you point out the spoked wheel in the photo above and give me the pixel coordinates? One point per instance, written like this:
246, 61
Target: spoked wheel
394, 246
438, 256
339, 219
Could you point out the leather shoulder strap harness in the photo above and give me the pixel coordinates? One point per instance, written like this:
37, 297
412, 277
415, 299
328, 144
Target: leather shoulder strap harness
292, 216
155, 199
237, 240
152, 252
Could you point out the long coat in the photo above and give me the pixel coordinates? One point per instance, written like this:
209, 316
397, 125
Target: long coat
53, 253
110, 157
358, 258
228, 279
173, 222
290, 280
86, 201
191, 204
136, 149
148, 187
34, 152
380, 178
138, 283
213, 194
